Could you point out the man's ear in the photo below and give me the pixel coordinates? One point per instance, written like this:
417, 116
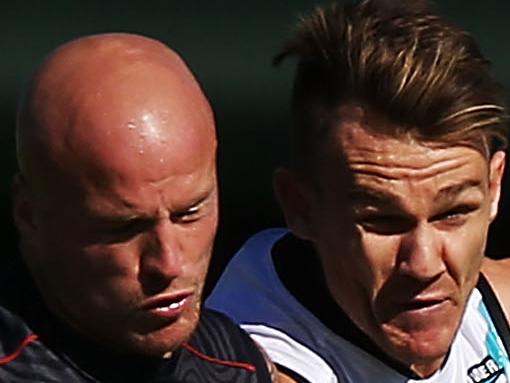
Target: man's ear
294, 200
496, 170
23, 207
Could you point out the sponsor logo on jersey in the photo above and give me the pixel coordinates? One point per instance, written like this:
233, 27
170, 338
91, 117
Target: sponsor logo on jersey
486, 371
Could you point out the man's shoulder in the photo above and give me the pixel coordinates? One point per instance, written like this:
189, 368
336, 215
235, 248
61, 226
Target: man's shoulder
215, 327
24, 358
218, 336
249, 280
260, 243
13, 331
219, 347
252, 290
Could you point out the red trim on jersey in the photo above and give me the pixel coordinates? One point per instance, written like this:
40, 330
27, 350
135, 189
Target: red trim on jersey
229, 363
14, 355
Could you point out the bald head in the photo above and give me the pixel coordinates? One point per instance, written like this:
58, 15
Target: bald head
99, 101
116, 200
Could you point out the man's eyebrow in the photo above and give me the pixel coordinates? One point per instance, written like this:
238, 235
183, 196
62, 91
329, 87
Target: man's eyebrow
102, 218
193, 203
200, 198
452, 191
364, 195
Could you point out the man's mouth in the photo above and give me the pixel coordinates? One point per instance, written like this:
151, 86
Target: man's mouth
169, 306
420, 304
423, 314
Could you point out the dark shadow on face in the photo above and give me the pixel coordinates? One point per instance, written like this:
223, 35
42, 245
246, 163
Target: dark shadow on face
396, 293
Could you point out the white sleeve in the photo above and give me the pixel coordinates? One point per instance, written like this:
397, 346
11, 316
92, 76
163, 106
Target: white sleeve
288, 352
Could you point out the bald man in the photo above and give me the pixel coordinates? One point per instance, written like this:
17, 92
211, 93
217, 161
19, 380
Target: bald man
116, 204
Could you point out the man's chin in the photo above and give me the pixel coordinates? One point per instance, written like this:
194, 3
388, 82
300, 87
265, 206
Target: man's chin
425, 349
162, 342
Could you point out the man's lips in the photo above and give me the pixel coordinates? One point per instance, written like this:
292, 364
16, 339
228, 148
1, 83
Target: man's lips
418, 304
422, 306
168, 305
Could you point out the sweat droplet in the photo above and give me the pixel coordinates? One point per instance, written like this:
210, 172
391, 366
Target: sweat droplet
131, 125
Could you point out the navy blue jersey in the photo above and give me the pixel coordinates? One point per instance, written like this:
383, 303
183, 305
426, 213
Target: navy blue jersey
218, 351
37, 347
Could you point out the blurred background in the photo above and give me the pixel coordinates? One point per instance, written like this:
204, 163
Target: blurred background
229, 46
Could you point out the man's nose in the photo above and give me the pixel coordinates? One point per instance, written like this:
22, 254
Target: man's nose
160, 260
421, 253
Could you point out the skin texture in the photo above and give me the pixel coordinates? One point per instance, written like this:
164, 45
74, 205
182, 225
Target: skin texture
400, 227
116, 200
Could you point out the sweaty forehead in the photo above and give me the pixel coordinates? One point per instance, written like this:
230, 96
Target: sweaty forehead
136, 111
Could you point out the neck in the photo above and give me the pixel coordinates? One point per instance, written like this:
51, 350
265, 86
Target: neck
427, 369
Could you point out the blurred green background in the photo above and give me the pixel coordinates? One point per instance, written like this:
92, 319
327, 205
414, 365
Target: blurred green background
229, 46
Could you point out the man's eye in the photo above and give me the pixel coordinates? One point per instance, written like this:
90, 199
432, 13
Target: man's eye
186, 216
125, 227
384, 224
456, 216
121, 231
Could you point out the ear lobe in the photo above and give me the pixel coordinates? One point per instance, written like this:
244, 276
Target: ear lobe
496, 170
23, 207
294, 201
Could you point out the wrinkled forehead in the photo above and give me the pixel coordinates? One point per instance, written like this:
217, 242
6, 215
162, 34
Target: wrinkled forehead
353, 125
363, 143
